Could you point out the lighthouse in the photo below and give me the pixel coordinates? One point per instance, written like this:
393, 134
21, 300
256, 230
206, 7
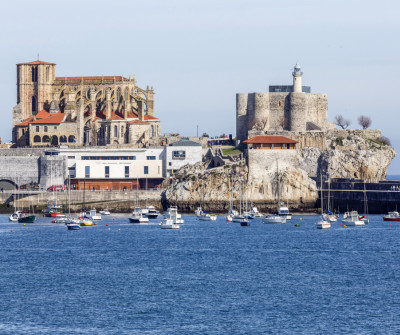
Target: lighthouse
297, 79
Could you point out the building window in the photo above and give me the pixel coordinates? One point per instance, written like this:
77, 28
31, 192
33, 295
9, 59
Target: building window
178, 154
122, 131
72, 168
146, 170
23, 131
151, 158
126, 171
71, 157
33, 104
115, 131
87, 171
37, 129
55, 127
170, 164
107, 171
45, 129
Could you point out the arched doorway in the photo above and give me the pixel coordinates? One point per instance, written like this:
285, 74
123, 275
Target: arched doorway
45, 139
63, 139
54, 140
71, 139
7, 184
37, 139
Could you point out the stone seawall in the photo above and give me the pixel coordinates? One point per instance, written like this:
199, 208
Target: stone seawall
116, 201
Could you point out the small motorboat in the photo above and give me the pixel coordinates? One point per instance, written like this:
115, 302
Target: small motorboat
274, 219
323, 223
15, 216
169, 224
105, 212
284, 212
72, 224
85, 222
255, 213
392, 216
207, 217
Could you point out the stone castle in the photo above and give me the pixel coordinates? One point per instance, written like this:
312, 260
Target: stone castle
283, 108
76, 111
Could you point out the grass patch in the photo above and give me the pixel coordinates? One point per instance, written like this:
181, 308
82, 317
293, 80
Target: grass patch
231, 151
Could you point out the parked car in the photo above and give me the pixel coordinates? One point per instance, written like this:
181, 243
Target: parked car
53, 188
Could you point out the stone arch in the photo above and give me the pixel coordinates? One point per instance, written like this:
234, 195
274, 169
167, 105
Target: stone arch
71, 139
116, 142
45, 139
118, 94
63, 139
7, 184
54, 140
37, 139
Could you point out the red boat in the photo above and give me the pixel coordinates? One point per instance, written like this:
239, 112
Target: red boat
392, 216
52, 210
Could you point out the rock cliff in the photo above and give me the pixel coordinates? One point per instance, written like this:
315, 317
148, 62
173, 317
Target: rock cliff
354, 155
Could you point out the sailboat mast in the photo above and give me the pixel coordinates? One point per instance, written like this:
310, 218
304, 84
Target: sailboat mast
322, 199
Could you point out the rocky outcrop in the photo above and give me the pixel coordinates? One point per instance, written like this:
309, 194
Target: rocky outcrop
348, 154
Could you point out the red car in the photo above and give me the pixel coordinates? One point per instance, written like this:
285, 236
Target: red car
53, 188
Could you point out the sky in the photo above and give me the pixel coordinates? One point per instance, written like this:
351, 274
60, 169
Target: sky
198, 54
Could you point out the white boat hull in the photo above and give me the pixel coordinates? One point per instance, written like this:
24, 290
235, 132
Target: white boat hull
274, 219
323, 225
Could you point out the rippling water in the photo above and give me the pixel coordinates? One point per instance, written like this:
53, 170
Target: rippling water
206, 278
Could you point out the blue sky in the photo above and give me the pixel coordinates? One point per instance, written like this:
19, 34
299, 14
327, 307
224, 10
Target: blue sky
199, 54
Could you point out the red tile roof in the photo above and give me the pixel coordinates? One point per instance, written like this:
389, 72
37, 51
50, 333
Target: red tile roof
36, 62
270, 139
52, 119
118, 78
138, 122
149, 117
115, 116
24, 123
42, 114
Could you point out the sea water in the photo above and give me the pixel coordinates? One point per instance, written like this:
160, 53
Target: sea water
205, 278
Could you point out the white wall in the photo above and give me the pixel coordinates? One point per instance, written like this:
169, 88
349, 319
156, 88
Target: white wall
193, 156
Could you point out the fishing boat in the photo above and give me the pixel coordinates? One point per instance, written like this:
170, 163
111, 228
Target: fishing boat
171, 220
92, 215
26, 218
85, 222
392, 216
150, 212
353, 220
138, 217
171, 209
52, 210
198, 211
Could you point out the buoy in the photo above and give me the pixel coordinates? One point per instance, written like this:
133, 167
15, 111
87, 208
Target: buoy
340, 224
95, 223
119, 229
11, 230
24, 224
344, 226
390, 224
106, 224
301, 218
297, 225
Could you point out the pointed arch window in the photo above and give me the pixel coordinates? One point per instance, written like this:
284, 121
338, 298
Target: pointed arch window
33, 104
119, 93
115, 131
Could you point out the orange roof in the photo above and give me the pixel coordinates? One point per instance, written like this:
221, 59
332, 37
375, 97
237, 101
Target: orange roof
52, 119
42, 114
118, 78
24, 123
270, 139
132, 115
138, 122
115, 116
149, 117
36, 62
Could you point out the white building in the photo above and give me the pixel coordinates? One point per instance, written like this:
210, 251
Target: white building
118, 169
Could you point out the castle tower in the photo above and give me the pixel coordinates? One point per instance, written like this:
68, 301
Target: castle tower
34, 86
297, 79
